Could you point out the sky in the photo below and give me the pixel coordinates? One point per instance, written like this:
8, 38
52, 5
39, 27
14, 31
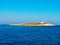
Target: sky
29, 11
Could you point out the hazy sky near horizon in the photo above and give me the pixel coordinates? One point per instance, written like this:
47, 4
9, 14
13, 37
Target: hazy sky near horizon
25, 11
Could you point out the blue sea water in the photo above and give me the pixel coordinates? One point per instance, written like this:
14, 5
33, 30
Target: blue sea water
24, 35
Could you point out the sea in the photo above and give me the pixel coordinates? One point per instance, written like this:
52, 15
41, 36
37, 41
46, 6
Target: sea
29, 35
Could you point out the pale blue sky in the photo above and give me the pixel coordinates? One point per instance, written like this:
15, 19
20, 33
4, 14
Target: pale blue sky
28, 11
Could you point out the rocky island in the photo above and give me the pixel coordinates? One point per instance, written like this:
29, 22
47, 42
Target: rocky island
33, 24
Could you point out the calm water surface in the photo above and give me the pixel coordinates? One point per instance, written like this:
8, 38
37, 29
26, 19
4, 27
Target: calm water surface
23, 35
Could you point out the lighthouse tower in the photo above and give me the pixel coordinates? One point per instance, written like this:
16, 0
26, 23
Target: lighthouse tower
42, 22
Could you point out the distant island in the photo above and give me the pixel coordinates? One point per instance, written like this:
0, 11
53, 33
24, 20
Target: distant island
33, 24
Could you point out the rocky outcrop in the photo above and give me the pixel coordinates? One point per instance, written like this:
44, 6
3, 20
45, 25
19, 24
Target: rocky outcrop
34, 24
